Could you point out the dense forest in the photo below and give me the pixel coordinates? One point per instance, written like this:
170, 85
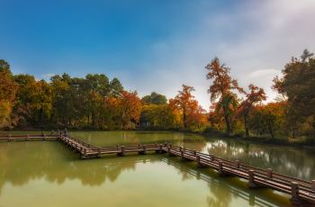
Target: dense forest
96, 102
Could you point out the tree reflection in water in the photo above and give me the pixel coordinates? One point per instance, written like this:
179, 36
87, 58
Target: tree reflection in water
291, 161
26, 161
23, 162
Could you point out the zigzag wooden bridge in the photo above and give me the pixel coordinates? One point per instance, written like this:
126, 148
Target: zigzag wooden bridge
301, 191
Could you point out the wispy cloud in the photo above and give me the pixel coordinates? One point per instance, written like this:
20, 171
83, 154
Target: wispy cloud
47, 76
251, 38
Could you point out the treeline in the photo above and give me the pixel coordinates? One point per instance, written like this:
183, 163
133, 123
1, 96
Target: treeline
93, 102
244, 112
96, 102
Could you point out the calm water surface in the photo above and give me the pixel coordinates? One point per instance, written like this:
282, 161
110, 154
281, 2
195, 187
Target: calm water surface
49, 174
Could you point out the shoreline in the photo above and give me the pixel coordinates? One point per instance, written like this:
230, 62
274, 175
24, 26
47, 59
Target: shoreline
251, 139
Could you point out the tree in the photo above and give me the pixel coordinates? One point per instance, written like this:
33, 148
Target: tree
66, 100
255, 95
222, 91
8, 90
268, 119
33, 102
298, 86
124, 111
115, 87
154, 98
159, 116
192, 113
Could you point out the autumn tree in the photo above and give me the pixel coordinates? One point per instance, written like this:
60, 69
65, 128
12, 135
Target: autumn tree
8, 90
191, 111
254, 96
33, 102
222, 91
130, 109
298, 85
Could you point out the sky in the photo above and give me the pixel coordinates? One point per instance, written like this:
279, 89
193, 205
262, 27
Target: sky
156, 45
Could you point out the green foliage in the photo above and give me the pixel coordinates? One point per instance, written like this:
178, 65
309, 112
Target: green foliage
268, 119
298, 86
159, 116
154, 98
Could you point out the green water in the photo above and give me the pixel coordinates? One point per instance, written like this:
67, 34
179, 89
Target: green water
40, 174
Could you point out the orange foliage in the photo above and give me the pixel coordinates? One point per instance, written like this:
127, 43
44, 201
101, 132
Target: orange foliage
192, 113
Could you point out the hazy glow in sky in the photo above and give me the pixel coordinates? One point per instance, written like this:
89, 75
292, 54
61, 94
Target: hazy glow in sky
156, 45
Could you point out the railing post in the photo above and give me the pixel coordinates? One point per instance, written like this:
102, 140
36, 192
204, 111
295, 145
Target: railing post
83, 156
294, 191
221, 171
195, 152
251, 178
313, 185
198, 161
161, 148
144, 149
269, 172
122, 151
99, 152
140, 149
237, 164
182, 153
211, 158
169, 149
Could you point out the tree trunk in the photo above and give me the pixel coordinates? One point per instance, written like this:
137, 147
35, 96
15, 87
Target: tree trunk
270, 130
228, 124
184, 118
246, 126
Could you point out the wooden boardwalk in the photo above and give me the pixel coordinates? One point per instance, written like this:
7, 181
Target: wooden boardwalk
301, 191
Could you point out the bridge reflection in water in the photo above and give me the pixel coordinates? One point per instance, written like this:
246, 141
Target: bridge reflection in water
299, 189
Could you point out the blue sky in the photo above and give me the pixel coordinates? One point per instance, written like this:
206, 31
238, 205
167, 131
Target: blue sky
156, 45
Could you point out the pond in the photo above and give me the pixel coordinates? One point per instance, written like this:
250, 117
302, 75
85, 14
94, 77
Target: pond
49, 174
